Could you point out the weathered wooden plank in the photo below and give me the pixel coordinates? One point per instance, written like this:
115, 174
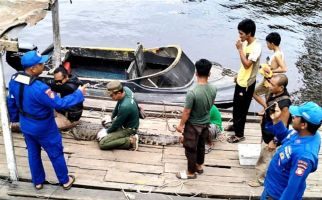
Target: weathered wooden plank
138, 157
115, 175
4, 188
56, 192
212, 171
152, 168
53, 192
98, 164
212, 188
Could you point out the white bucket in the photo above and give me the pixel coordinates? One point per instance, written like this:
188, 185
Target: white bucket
248, 153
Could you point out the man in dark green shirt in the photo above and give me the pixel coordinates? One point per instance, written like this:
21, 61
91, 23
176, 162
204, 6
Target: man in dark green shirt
195, 120
122, 133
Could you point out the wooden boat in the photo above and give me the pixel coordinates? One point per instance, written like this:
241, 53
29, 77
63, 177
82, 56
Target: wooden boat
156, 75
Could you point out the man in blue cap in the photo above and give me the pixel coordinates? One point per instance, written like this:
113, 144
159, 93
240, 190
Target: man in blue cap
298, 154
32, 103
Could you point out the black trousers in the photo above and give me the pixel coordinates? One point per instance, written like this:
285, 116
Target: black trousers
242, 98
195, 137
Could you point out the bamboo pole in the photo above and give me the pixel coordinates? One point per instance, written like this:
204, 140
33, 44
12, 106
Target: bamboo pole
56, 33
7, 136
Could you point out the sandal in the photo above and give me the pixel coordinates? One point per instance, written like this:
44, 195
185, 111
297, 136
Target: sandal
184, 175
235, 139
39, 186
71, 183
208, 149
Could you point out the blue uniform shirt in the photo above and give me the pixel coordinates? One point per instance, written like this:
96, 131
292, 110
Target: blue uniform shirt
292, 163
38, 101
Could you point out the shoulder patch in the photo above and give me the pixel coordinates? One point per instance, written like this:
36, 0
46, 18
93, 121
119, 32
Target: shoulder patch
301, 167
50, 93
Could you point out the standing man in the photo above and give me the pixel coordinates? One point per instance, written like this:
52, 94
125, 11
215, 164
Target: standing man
32, 102
195, 120
249, 51
279, 94
122, 134
298, 155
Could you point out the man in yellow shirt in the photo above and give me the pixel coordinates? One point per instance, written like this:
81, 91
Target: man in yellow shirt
249, 50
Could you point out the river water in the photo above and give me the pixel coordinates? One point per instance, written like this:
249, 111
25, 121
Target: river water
204, 29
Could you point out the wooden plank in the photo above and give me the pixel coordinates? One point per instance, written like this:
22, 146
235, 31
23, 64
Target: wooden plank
4, 194
212, 171
21, 190
56, 192
212, 188
117, 176
95, 164
153, 168
138, 157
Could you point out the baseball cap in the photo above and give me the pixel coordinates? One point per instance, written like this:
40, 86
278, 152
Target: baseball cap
114, 86
310, 111
32, 58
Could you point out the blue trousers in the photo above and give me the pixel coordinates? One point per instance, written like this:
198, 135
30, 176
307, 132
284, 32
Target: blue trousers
52, 144
265, 196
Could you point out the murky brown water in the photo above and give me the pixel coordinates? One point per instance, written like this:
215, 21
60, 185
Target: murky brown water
204, 29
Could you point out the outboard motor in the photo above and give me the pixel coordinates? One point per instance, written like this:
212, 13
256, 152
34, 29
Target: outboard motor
14, 58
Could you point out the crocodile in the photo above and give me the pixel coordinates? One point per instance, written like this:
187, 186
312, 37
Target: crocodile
87, 131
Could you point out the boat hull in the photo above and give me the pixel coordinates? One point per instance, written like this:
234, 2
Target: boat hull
160, 75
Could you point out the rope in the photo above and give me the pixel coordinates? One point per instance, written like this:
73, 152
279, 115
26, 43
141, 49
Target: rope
51, 194
166, 120
125, 194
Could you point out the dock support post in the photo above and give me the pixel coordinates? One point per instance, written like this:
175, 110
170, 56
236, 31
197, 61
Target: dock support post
7, 136
56, 33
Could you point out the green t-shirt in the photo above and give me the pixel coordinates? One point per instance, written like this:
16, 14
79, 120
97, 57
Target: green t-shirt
215, 117
126, 112
199, 100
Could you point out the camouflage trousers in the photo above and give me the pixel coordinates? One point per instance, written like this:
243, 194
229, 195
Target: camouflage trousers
119, 139
265, 158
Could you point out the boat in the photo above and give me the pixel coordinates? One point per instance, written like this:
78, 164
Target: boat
156, 75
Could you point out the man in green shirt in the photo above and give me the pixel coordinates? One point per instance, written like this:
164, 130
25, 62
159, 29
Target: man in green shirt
122, 132
195, 120
215, 127
215, 117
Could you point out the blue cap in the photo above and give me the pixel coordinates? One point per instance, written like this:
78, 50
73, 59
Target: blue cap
32, 58
310, 111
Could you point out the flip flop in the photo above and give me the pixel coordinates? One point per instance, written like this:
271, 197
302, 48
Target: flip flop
208, 149
235, 139
39, 186
70, 185
184, 175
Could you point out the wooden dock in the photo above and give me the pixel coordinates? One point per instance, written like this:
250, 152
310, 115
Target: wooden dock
151, 169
